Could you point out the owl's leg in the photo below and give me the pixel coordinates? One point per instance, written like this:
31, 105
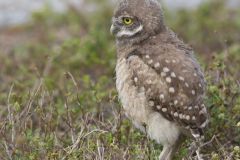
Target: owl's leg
166, 153
197, 143
199, 156
169, 150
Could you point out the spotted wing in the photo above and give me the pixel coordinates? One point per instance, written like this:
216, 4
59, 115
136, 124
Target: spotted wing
173, 84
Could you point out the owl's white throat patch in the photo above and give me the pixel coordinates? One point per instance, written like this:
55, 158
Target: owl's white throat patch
128, 33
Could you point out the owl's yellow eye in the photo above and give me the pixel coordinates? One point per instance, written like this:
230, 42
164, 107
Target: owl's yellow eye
127, 21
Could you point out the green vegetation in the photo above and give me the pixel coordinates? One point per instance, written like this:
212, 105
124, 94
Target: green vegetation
57, 93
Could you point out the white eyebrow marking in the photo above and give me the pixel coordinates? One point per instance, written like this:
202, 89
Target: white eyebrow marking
129, 33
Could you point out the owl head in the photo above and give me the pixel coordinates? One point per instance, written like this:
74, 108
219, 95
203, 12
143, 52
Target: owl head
137, 19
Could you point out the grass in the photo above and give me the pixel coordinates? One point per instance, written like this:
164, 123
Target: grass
58, 97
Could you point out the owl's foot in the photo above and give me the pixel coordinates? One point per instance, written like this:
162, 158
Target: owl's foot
194, 151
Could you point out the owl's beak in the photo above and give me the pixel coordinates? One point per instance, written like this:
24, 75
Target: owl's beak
112, 29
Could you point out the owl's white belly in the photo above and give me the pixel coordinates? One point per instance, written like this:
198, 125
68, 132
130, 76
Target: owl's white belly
136, 108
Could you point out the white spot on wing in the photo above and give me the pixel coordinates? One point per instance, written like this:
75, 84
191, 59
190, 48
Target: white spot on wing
151, 103
169, 80
175, 102
167, 61
157, 65
175, 114
181, 116
173, 75
150, 61
203, 111
164, 109
161, 96
204, 124
171, 90
184, 116
181, 78
159, 107
193, 92
136, 79
187, 117
165, 69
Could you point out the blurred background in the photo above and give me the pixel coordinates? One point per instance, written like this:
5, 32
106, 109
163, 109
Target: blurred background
57, 80
14, 12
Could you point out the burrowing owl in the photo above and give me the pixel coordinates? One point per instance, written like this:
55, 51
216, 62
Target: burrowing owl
159, 82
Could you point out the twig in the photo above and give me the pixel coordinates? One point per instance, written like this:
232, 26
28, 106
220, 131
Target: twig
10, 116
35, 90
7, 150
126, 152
95, 130
78, 140
69, 119
100, 151
238, 83
73, 80
75, 144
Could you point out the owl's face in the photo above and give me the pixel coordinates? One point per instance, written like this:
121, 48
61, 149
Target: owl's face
126, 25
137, 19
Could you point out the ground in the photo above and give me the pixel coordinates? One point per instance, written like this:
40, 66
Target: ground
58, 98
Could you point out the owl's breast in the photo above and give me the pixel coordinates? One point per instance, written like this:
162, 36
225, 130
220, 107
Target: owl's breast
133, 100
136, 106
